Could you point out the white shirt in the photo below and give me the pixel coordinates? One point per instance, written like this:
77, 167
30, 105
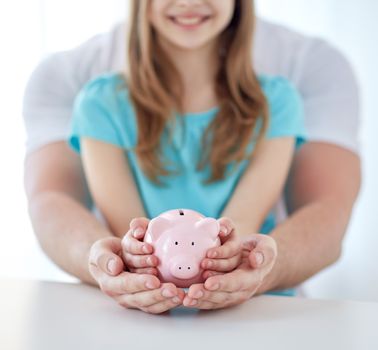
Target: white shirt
322, 75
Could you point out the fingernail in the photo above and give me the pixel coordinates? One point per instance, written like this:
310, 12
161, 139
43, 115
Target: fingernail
176, 300
150, 261
214, 286
198, 294
259, 258
112, 265
209, 264
138, 231
146, 249
223, 229
167, 293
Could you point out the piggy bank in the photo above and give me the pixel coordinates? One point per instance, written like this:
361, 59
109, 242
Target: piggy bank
181, 238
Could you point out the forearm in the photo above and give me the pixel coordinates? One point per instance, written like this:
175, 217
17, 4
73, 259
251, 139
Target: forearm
308, 241
65, 230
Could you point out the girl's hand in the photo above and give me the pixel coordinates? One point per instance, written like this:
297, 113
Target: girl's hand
136, 253
233, 288
130, 290
226, 257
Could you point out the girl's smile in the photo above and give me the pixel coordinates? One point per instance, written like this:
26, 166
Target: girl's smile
176, 21
189, 21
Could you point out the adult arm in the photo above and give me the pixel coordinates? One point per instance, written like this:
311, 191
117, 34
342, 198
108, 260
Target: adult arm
58, 202
324, 183
73, 238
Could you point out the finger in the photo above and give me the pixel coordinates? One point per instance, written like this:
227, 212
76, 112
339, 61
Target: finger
226, 225
263, 250
218, 300
207, 273
234, 281
104, 258
198, 297
134, 246
167, 304
221, 265
196, 291
218, 297
139, 226
147, 270
230, 248
163, 306
144, 299
129, 283
140, 261
206, 305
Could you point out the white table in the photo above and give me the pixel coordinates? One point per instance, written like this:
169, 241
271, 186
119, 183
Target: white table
52, 316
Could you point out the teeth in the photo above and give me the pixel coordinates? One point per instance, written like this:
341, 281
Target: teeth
188, 21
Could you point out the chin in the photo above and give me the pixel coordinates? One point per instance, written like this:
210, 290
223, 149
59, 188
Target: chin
189, 45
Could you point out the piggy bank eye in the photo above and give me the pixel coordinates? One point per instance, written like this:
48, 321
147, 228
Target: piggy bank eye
176, 243
192, 243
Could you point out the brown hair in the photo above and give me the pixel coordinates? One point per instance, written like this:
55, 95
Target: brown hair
156, 91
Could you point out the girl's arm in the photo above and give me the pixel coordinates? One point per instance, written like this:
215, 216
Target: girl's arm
111, 184
261, 185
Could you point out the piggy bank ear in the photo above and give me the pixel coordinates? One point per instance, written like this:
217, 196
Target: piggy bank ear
157, 226
208, 225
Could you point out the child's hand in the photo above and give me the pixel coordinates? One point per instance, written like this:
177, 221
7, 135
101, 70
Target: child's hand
226, 257
136, 253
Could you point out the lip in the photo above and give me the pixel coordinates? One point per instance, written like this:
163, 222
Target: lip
187, 16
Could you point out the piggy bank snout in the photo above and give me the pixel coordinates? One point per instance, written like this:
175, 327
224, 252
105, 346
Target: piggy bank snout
184, 266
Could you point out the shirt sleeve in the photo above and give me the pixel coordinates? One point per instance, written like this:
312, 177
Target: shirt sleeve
285, 110
329, 88
47, 102
94, 115
50, 92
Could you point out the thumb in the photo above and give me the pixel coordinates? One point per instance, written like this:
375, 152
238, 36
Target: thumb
104, 256
110, 263
262, 250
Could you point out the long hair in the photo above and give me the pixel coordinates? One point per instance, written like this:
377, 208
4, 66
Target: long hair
155, 89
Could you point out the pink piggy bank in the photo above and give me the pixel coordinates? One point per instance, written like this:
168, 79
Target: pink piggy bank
181, 238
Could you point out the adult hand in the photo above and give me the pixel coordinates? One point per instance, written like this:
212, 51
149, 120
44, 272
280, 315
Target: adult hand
220, 291
130, 290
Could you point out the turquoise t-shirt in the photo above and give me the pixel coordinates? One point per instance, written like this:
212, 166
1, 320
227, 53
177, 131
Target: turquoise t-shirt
103, 111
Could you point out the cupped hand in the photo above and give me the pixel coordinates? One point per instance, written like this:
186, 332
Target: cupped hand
130, 290
226, 257
137, 254
224, 290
